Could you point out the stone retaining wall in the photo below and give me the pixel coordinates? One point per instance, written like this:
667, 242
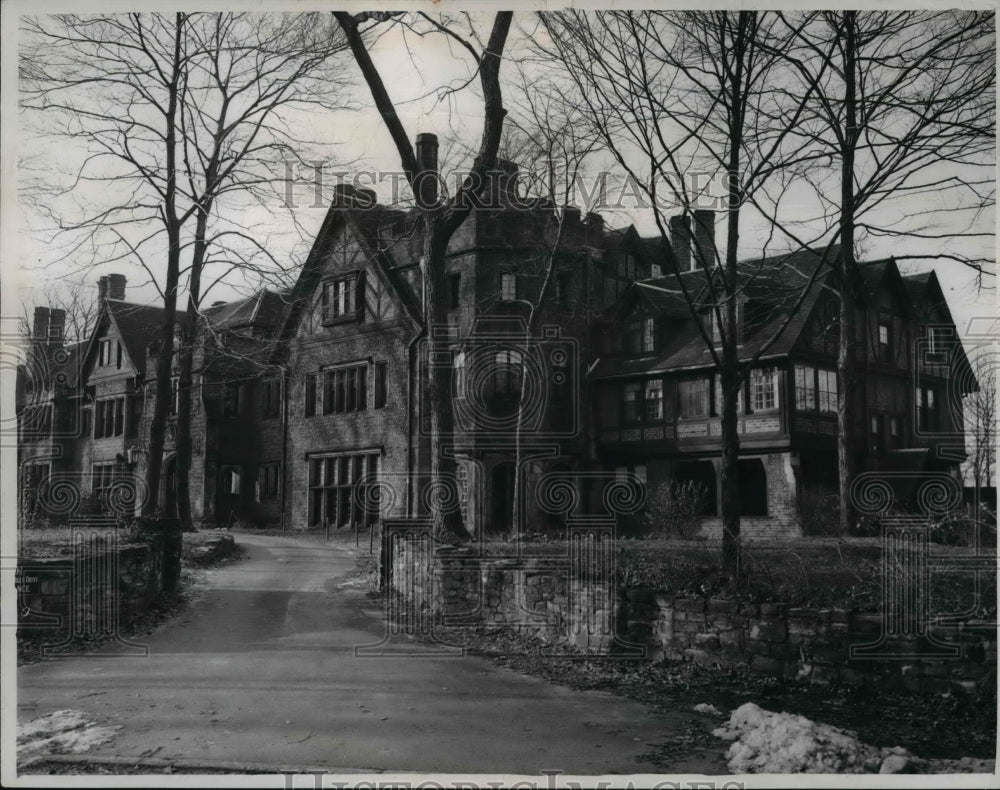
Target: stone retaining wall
545, 597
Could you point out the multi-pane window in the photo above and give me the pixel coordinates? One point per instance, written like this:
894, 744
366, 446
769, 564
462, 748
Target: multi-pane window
805, 388
815, 388
927, 411
648, 334
883, 348
632, 402
764, 389
654, 400
345, 389
271, 398
339, 298
459, 379
110, 418
937, 340
693, 398
103, 477
508, 286
343, 489
109, 352
268, 481
232, 480
826, 390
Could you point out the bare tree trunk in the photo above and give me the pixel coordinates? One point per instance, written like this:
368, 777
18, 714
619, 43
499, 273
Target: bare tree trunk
164, 362
849, 291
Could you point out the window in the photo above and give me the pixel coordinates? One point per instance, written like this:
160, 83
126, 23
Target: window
895, 433
564, 289
632, 401
380, 385
340, 298
454, 291
826, 389
175, 395
110, 418
764, 389
877, 435
232, 480
648, 334
267, 481
345, 389
805, 388
109, 352
938, 339
508, 286
654, 400
343, 489
310, 387
507, 373
693, 396
231, 400
884, 350
103, 477
927, 412
460, 375
271, 398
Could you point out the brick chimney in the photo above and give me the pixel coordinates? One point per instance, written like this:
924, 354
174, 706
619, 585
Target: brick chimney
680, 241
116, 287
102, 288
57, 327
40, 326
427, 178
704, 238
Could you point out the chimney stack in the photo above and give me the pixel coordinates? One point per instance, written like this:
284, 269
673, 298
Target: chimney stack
680, 241
40, 326
116, 287
57, 327
704, 238
427, 177
102, 288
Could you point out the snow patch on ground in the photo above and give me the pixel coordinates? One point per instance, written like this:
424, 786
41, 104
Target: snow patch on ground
710, 710
783, 743
61, 732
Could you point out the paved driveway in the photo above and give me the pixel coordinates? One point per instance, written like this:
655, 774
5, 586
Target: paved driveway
262, 669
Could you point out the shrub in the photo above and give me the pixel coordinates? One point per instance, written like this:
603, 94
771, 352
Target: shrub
674, 509
820, 512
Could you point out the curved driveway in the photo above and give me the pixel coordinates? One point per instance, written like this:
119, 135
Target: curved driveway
263, 669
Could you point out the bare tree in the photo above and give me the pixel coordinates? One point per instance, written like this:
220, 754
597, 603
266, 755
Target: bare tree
185, 123
676, 93
440, 218
903, 105
981, 415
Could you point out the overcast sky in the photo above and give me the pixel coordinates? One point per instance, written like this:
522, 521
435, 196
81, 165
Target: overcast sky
415, 70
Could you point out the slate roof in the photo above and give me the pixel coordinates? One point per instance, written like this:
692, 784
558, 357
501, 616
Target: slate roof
139, 325
771, 286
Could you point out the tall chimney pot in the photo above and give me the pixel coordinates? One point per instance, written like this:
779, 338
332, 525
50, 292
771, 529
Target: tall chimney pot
40, 326
116, 287
427, 162
680, 241
57, 327
704, 238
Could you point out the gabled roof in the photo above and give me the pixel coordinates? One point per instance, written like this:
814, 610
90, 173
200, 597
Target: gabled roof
264, 310
139, 325
772, 286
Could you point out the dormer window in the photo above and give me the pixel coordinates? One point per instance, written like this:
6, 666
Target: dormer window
937, 342
508, 286
640, 336
109, 352
648, 334
341, 298
884, 347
